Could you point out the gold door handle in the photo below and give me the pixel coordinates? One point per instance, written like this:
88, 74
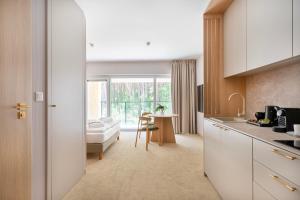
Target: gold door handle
22, 106
283, 155
282, 182
21, 110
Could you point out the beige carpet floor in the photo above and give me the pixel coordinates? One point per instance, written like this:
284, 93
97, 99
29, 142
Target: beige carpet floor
168, 172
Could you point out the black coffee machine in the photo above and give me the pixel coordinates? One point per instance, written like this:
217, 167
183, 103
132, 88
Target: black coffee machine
286, 118
271, 115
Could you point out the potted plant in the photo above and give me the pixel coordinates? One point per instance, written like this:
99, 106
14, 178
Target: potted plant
160, 108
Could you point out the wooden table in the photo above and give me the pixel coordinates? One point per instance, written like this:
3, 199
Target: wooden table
165, 133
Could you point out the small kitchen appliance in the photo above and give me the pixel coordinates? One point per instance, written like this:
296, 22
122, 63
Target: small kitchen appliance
267, 118
270, 114
287, 117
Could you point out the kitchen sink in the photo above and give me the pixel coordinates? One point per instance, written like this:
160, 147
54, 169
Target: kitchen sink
229, 119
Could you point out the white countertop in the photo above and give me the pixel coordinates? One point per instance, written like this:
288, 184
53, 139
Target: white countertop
264, 134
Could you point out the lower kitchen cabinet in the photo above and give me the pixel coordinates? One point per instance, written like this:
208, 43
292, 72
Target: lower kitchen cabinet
228, 161
260, 194
275, 184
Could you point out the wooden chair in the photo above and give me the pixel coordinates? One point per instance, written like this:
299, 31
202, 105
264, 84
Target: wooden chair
151, 122
144, 125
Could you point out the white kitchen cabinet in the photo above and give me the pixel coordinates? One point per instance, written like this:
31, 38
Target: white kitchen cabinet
228, 161
213, 153
261, 194
296, 27
280, 161
235, 38
269, 32
275, 184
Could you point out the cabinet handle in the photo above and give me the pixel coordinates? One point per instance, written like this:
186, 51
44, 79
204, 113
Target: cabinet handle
281, 154
221, 127
282, 182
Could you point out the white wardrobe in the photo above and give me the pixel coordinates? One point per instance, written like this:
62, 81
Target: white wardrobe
66, 101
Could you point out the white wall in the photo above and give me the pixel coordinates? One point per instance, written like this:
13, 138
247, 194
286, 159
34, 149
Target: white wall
39, 108
200, 80
128, 68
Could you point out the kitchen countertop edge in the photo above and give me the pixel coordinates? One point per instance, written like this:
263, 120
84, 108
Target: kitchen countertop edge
264, 134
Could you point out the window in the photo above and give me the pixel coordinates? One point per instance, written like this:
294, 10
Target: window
163, 93
128, 98
97, 99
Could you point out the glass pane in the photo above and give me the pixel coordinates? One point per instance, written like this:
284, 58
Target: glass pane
163, 93
97, 99
129, 98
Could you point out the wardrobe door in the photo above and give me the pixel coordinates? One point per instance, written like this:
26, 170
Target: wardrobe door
66, 85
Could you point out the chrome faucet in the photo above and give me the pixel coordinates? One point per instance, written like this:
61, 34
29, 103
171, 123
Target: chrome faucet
244, 103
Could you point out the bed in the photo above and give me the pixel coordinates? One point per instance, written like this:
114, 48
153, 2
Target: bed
101, 134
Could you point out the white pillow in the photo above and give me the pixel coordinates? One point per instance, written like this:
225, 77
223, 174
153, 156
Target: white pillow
106, 119
96, 124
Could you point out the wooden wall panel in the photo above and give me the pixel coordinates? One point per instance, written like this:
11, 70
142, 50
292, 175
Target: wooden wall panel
216, 88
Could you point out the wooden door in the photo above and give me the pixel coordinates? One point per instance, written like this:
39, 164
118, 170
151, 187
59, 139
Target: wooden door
66, 89
15, 87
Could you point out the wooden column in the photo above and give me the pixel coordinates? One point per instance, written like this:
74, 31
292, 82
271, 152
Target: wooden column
216, 88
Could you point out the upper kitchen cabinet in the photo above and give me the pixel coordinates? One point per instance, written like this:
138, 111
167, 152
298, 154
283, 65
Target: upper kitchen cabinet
269, 32
296, 27
235, 38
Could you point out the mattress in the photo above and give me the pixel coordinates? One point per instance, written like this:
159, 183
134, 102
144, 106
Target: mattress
100, 135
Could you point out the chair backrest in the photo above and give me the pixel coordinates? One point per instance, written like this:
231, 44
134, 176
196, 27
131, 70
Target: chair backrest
143, 120
146, 114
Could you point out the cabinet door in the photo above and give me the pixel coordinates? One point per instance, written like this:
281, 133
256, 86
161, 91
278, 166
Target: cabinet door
212, 147
235, 38
269, 32
296, 27
213, 155
228, 161
237, 166
260, 194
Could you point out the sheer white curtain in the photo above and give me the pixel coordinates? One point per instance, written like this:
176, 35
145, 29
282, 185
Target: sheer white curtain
184, 95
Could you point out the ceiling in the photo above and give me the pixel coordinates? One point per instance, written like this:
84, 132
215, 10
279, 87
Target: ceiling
120, 29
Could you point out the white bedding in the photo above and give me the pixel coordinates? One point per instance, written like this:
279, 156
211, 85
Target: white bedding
100, 135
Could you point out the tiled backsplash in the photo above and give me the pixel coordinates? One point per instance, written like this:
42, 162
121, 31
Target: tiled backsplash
279, 86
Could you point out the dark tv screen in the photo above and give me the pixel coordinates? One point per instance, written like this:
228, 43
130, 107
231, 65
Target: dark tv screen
200, 98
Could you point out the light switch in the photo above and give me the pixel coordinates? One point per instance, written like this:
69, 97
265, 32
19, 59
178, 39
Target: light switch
39, 96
